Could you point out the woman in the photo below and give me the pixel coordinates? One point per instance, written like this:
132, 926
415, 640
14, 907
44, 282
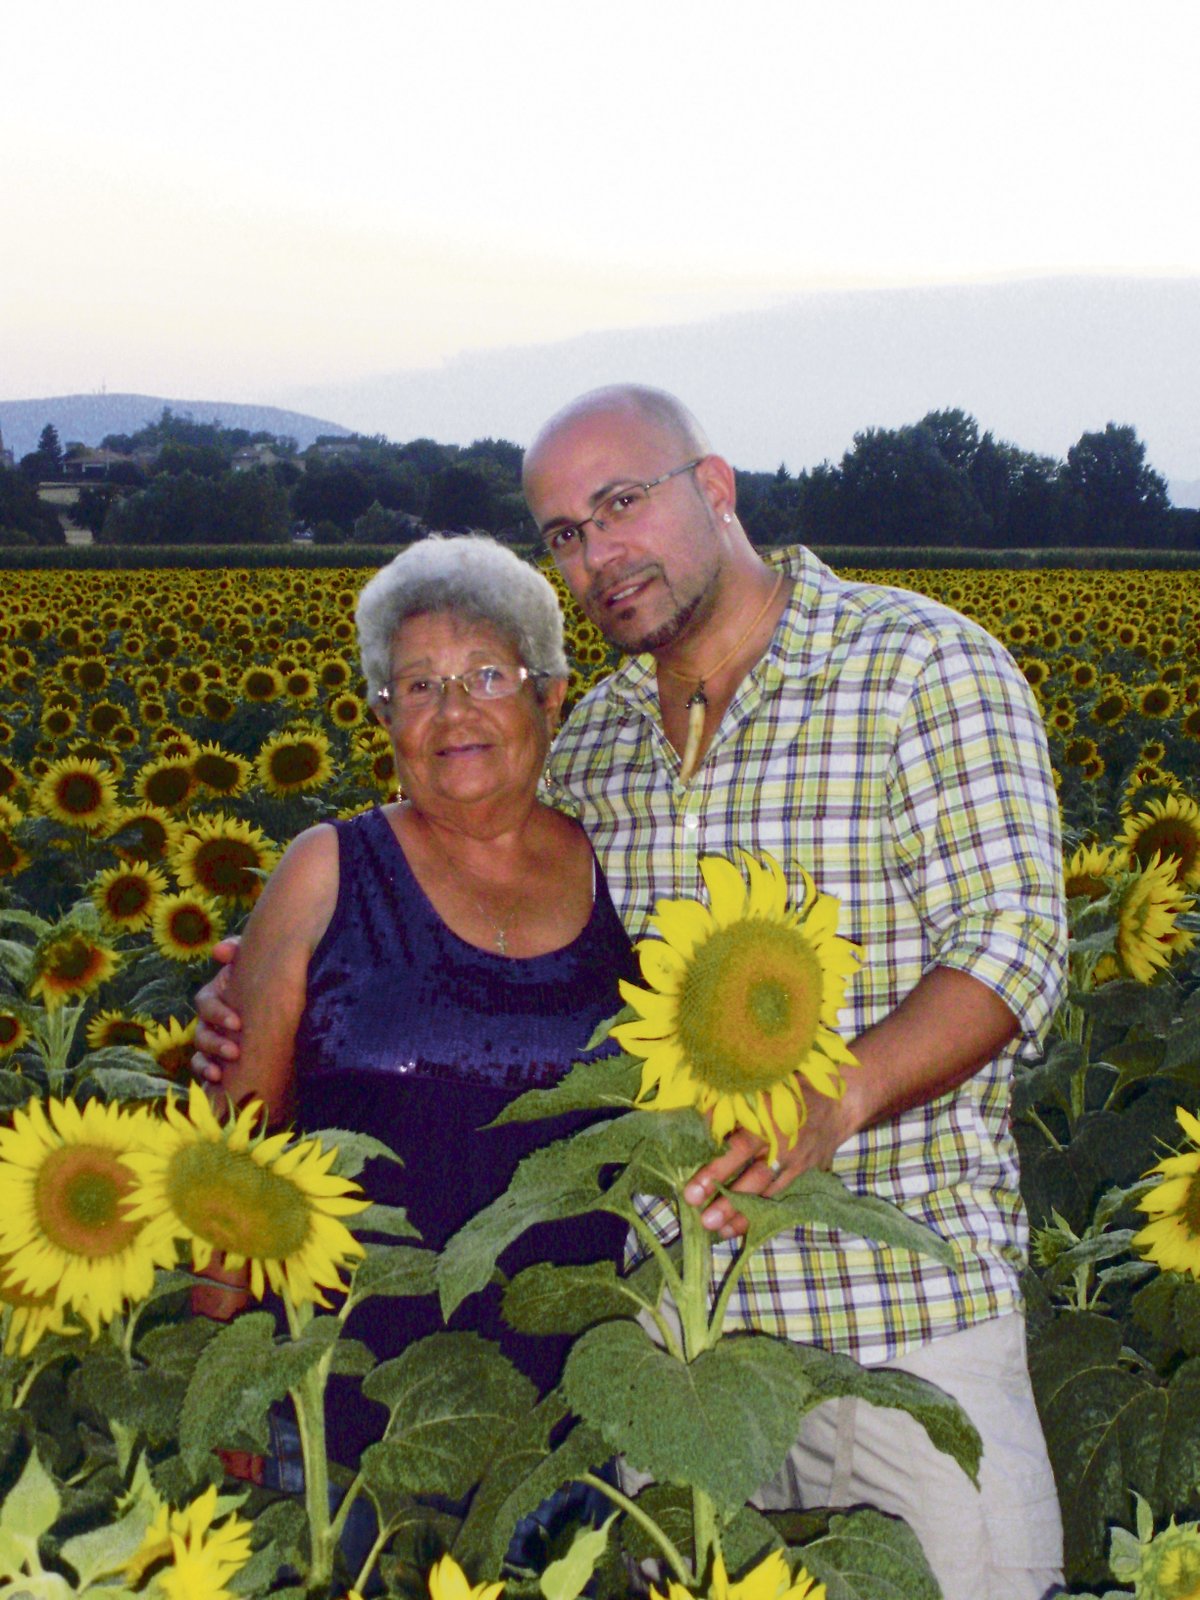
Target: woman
409, 972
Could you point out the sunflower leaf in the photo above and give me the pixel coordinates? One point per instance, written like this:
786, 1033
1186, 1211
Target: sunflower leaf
745, 1539
554, 1182
120, 1083
239, 1375
609, 1084
452, 1398
29, 1511
549, 1299
390, 1220
17, 961
354, 1150
527, 1468
103, 1551
820, 1199
722, 1423
867, 1556
393, 1270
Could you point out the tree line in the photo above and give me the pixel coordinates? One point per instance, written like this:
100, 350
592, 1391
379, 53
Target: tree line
936, 482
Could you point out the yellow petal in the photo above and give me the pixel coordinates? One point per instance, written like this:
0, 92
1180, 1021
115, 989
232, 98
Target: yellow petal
726, 889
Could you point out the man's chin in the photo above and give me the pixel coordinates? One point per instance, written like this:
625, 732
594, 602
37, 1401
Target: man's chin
654, 639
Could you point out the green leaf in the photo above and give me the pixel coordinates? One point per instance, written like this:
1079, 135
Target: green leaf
104, 1551
392, 1270
354, 1150
548, 1299
28, 1512
820, 1199
118, 1083
452, 1397
565, 1578
723, 1422
390, 1220
17, 961
240, 1374
611, 1083
281, 1539
12, 917
745, 1538
559, 1180
1182, 1055
867, 1556
352, 1359
529, 1464
1049, 1082
1169, 1308
143, 1399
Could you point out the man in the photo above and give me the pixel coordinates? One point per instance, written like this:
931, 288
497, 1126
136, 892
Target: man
892, 749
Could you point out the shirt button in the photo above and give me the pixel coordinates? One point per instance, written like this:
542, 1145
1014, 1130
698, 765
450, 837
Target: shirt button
691, 823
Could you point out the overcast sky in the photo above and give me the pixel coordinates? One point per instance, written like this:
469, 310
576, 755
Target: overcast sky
229, 200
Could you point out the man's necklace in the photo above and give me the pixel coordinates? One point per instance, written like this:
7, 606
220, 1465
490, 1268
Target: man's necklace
697, 706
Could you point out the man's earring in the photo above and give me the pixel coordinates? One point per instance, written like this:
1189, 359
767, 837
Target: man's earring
727, 518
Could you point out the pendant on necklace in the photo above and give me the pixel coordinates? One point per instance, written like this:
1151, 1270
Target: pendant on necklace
502, 941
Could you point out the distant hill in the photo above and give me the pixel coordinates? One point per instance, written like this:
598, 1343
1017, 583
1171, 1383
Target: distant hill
1038, 361
89, 417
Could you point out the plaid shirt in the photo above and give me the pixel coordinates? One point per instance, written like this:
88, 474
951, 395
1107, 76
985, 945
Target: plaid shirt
893, 749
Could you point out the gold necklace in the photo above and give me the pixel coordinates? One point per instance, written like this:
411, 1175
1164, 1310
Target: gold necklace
697, 706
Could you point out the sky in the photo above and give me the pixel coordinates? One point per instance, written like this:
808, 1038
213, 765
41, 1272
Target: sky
235, 200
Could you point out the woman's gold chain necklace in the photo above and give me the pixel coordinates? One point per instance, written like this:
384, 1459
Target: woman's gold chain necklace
697, 706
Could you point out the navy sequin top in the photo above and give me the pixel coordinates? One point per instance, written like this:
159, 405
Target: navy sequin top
413, 1035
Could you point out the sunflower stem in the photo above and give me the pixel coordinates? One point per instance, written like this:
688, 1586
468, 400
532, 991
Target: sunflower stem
308, 1397
632, 1510
698, 1336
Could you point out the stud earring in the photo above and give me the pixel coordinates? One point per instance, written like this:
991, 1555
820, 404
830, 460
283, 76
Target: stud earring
727, 518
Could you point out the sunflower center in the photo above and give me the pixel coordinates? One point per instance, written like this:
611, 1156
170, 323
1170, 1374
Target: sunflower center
73, 961
191, 927
226, 1198
295, 763
77, 1196
750, 1006
1190, 1209
128, 896
223, 866
1179, 1575
80, 794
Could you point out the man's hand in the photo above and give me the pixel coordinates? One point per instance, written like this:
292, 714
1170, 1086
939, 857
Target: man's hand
744, 1167
216, 1022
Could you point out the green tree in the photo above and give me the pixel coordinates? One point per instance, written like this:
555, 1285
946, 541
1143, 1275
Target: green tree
1118, 499
50, 449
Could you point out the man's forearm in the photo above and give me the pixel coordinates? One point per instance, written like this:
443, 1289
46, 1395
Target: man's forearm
936, 1038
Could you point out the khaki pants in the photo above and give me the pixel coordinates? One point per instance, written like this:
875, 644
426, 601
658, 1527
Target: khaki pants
1003, 1542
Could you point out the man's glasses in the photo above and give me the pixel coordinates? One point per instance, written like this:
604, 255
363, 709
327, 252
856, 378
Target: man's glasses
623, 506
415, 692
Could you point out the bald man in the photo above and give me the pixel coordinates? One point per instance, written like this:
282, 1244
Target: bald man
893, 749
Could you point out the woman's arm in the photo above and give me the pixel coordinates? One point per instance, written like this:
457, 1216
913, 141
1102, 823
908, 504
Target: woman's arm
270, 979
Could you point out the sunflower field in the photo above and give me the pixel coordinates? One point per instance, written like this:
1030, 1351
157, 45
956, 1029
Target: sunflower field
163, 735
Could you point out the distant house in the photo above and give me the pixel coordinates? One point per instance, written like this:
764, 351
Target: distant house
254, 455
337, 449
88, 465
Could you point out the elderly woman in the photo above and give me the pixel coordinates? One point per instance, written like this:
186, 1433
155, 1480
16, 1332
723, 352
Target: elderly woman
408, 972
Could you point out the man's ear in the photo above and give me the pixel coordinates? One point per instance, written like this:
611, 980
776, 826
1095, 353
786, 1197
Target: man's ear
715, 480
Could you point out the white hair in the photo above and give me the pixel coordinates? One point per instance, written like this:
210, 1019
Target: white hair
473, 576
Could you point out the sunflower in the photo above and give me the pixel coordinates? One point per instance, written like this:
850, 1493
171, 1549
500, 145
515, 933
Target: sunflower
69, 963
333, 673
110, 1030
742, 1002
10, 779
216, 706
771, 1579
153, 834
1147, 935
220, 771
346, 710
1172, 1238
78, 792
294, 763
1168, 828
125, 896
166, 783
57, 722
186, 926
188, 1557
225, 858
260, 685
1156, 700
267, 1202
13, 859
448, 1581
171, 1044
15, 1032
28, 1317
1088, 870
1111, 708
62, 1225
300, 686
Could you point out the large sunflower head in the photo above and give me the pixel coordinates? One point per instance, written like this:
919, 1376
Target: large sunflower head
149, 834
27, 1317
220, 771
78, 792
771, 1579
267, 1202
167, 784
68, 963
1170, 829
224, 857
112, 1030
742, 1002
185, 926
172, 1044
125, 896
1160, 1566
294, 763
1172, 1238
448, 1581
63, 1188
